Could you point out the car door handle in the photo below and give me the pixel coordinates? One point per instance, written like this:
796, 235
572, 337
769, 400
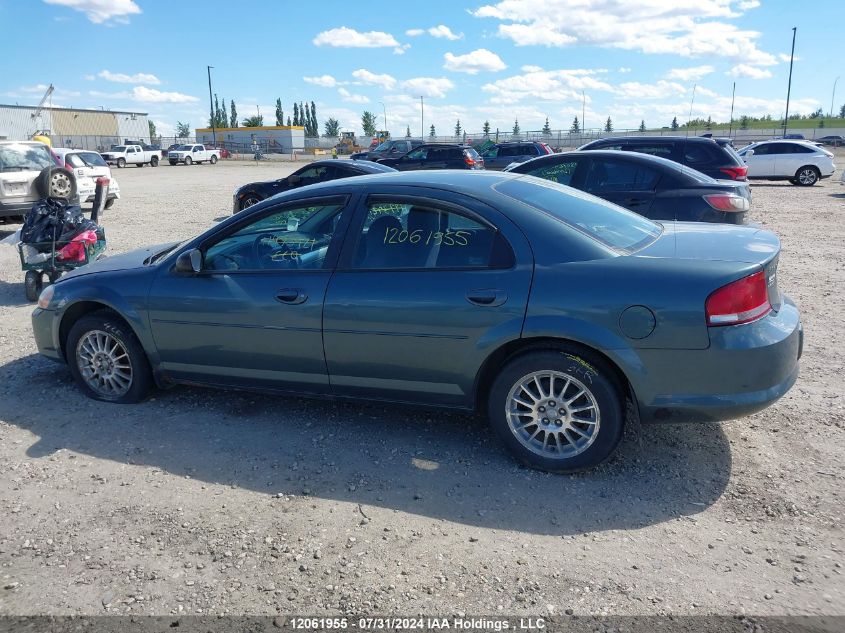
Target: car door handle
291, 296
634, 201
487, 297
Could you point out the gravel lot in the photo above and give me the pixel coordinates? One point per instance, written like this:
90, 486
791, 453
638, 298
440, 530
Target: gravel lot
200, 501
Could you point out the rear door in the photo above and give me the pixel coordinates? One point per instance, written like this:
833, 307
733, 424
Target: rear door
436, 158
629, 184
428, 285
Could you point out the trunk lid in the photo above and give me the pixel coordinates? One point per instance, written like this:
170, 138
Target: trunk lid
720, 242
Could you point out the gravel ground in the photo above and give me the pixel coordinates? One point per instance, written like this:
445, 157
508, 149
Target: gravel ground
200, 501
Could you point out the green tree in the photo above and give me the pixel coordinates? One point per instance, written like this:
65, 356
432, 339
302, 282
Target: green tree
152, 127
233, 119
547, 130
256, 120
303, 115
295, 113
842, 111
280, 114
486, 129
431, 132
183, 130
458, 128
817, 114
332, 127
608, 126
368, 123
315, 127
575, 127
516, 127
408, 131
289, 122
642, 125
709, 124
675, 125
821, 122
743, 122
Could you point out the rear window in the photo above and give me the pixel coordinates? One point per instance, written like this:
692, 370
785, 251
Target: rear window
93, 159
607, 223
24, 157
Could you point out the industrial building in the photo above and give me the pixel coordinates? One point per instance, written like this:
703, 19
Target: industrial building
276, 139
73, 127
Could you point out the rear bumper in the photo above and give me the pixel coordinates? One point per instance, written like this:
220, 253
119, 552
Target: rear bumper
745, 369
16, 207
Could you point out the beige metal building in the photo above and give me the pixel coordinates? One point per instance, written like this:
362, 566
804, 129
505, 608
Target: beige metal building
73, 127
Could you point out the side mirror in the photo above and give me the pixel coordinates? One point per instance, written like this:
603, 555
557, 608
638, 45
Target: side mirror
393, 150
294, 179
189, 262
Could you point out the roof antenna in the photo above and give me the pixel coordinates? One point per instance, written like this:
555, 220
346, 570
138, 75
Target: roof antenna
689, 119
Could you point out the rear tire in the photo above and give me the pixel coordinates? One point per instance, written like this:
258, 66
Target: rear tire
807, 176
570, 419
107, 360
33, 284
213, 160
173, 162
110, 203
154, 161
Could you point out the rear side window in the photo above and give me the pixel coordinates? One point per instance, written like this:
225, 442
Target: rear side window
509, 150
655, 149
611, 174
560, 173
700, 154
400, 235
606, 223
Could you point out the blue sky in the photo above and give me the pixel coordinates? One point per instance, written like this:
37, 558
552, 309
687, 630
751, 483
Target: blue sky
474, 61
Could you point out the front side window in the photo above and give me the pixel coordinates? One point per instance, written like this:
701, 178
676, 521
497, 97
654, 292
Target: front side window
402, 235
314, 174
289, 238
560, 173
608, 174
418, 154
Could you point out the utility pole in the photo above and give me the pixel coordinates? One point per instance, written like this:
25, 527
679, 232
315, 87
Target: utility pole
789, 85
422, 119
583, 115
211, 108
832, 97
731, 124
689, 118
384, 111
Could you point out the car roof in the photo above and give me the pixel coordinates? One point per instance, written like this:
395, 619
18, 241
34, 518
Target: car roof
634, 157
362, 165
654, 139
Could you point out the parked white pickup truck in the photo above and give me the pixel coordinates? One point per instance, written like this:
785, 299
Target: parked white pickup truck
193, 154
122, 155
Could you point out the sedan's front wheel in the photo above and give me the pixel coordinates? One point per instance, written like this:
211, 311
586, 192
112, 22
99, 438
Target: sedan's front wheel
557, 410
107, 360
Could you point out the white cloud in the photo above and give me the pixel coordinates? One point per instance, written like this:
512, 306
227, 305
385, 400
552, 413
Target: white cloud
688, 28
365, 76
351, 98
745, 71
101, 11
400, 50
414, 32
474, 62
690, 74
433, 87
89, 77
327, 81
623, 70
546, 85
660, 90
137, 78
345, 37
151, 95
745, 5
785, 58
444, 32
531, 69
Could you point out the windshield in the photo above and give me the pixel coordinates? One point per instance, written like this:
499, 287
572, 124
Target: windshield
24, 157
184, 148
611, 225
118, 148
383, 147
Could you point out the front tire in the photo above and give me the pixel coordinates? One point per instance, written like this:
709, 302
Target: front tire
557, 410
250, 200
173, 162
807, 176
188, 160
33, 283
121, 163
107, 360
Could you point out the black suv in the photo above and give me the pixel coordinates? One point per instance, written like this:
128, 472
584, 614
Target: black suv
388, 149
711, 156
503, 154
437, 156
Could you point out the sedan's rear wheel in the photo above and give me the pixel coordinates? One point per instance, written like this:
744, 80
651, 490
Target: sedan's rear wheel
557, 410
807, 176
107, 360
250, 200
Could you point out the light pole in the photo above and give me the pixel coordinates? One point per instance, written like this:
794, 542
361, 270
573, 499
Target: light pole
832, 97
211, 108
384, 111
789, 85
422, 119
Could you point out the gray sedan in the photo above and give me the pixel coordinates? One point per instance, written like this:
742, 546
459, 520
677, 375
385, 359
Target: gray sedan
544, 307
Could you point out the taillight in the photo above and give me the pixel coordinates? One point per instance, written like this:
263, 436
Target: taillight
469, 160
741, 301
735, 173
727, 202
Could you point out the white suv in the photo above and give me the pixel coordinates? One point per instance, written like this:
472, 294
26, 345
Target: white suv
88, 165
799, 162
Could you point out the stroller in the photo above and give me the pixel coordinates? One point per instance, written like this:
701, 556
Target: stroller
56, 237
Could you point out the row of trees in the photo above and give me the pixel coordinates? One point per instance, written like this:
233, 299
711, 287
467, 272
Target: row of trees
223, 116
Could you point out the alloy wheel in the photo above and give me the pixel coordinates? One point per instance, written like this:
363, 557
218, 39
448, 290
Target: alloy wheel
104, 364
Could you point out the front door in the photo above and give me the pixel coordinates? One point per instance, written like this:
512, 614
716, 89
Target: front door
762, 162
425, 291
252, 317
